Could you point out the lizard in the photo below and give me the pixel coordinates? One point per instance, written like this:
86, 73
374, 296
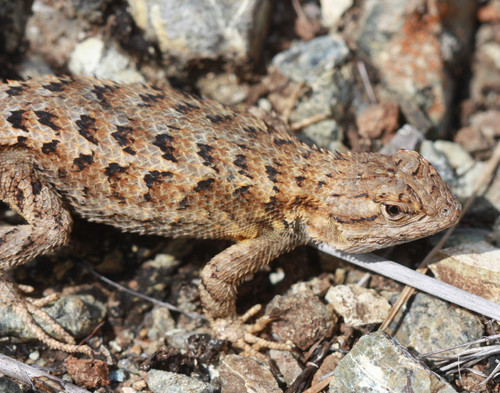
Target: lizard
164, 162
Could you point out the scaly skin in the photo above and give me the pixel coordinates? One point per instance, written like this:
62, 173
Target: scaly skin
163, 162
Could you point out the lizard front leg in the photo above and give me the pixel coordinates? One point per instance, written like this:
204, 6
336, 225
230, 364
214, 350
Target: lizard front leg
26, 191
218, 289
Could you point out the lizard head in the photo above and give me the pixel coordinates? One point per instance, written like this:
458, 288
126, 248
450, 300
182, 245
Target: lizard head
377, 201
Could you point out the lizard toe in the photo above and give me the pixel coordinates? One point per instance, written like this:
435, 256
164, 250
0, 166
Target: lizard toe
243, 336
27, 309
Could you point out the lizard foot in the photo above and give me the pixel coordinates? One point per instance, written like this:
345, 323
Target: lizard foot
28, 308
243, 335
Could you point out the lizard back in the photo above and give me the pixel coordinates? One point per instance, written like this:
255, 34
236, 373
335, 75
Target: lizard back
164, 162
149, 160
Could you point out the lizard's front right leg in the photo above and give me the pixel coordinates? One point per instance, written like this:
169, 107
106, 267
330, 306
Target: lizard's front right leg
27, 192
219, 282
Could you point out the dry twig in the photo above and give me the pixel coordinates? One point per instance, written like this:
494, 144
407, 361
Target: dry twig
39, 380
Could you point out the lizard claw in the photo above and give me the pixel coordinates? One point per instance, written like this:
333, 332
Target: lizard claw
243, 335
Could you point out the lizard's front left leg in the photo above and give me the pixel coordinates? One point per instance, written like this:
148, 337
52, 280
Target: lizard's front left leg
218, 289
26, 191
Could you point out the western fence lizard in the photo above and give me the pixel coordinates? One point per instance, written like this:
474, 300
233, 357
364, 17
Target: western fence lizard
163, 162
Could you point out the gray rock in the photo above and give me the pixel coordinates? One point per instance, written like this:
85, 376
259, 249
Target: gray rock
330, 96
93, 57
197, 29
323, 133
289, 367
332, 11
467, 182
77, 314
308, 61
118, 375
177, 338
129, 365
90, 10
9, 386
407, 137
462, 236
321, 63
379, 364
357, 305
440, 161
413, 55
241, 374
162, 322
167, 382
459, 159
432, 324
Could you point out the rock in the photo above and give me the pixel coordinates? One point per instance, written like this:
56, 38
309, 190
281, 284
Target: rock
407, 137
52, 34
432, 324
177, 338
167, 382
494, 235
90, 10
412, 47
14, 16
440, 161
287, 364
88, 373
473, 267
308, 61
332, 11
118, 375
93, 57
162, 322
480, 135
461, 236
323, 133
474, 140
378, 120
327, 366
485, 82
357, 305
321, 63
488, 122
241, 374
492, 50
77, 314
9, 386
492, 196
489, 12
379, 364
188, 30
302, 318
223, 88
459, 159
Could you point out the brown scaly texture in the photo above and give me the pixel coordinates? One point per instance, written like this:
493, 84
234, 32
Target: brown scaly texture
163, 162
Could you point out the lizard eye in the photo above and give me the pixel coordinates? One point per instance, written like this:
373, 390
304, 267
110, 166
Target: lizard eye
393, 212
